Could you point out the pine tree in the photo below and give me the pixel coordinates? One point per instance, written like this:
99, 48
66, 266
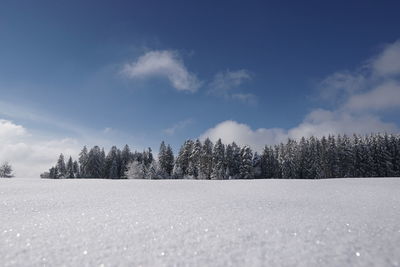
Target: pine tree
166, 160
257, 166
94, 165
76, 169
206, 160
113, 174
194, 160
112, 166
218, 161
332, 158
126, 157
237, 160
182, 160
83, 161
70, 168
246, 166
135, 170
62, 170
153, 171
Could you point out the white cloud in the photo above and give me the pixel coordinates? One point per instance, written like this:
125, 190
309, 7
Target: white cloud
318, 123
359, 96
384, 96
27, 153
373, 87
32, 151
228, 84
341, 85
10, 130
388, 62
321, 122
231, 131
178, 126
164, 63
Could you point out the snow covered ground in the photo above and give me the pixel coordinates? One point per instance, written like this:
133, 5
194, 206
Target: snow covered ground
338, 222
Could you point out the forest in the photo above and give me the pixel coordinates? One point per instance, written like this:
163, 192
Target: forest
375, 155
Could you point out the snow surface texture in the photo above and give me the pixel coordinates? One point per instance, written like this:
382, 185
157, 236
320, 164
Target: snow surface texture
338, 222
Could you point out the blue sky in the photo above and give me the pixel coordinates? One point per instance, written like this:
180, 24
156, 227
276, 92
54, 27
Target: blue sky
138, 72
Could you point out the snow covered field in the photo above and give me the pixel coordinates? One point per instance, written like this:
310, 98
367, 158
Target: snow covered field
338, 222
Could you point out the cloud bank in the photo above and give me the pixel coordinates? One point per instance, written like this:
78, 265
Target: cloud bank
164, 63
359, 97
27, 153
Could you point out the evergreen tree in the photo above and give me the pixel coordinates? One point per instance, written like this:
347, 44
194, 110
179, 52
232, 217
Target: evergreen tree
113, 174
194, 160
62, 170
206, 160
218, 161
153, 171
237, 161
112, 166
75, 168
166, 160
246, 166
83, 161
94, 165
257, 166
126, 157
182, 160
136, 170
70, 168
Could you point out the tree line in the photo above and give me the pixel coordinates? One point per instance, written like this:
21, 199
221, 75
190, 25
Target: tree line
375, 155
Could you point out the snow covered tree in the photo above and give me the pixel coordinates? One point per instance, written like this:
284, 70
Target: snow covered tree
194, 160
113, 172
166, 160
257, 166
269, 163
153, 171
218, 161
53, 173
288, 156
136, 170
62, 169
246, 166
75, 167
70, 168
233, 160
83, 161
206, 160
112, 163
126, 157
182, 160
309, 158
147, 157
6, 170
95, 163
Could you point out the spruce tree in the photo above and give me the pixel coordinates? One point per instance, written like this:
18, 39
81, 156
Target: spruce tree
194, 160
83, 161
218, 161
62, 170
70, 168
206, 160
246, 166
